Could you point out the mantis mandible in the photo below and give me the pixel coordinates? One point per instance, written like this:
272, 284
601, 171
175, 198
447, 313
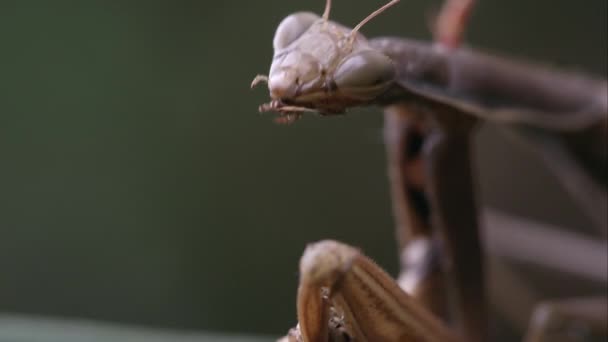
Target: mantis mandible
434, 95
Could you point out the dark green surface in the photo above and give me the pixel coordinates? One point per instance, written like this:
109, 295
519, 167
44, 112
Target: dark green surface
138, 183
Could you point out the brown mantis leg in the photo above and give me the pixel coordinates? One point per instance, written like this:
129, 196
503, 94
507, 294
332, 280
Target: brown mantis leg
344, 296
421, 275
433, 196
577, 161
451, 22
452, 196
582, 319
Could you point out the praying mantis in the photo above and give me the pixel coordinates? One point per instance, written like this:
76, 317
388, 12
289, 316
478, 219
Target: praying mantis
434, 96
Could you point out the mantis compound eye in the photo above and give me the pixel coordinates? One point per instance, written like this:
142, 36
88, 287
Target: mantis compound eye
365, 74
291, 28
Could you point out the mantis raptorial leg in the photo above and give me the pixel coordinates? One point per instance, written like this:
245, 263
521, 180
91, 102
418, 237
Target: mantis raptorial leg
445, 147
321, 66
405, 136
337, 281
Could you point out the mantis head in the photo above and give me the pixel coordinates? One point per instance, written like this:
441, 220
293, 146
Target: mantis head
321, 66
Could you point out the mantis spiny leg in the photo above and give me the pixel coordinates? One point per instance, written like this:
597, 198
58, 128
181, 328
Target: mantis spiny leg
362, 301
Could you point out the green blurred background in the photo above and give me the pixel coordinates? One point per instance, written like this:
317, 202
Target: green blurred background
138, 184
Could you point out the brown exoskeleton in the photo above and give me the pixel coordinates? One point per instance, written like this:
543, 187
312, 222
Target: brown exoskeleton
434, 96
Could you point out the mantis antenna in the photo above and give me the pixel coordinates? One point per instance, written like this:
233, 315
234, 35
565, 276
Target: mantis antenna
374, 14
327, 9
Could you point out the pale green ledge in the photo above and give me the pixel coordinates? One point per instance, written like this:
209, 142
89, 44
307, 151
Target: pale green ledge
35, 329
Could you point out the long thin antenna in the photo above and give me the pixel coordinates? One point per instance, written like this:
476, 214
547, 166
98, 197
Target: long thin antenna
327, 9
353, 33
